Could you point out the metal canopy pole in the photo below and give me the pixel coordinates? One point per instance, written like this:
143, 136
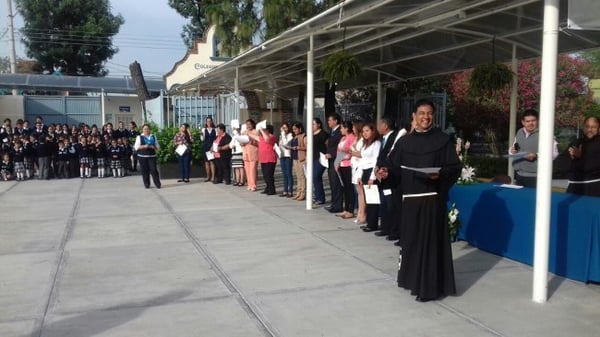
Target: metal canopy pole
379, 97
512, 124
102, 106
310, 111
545, 147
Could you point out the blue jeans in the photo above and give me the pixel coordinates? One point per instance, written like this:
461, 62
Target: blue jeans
318, 170
184, 166
288, 179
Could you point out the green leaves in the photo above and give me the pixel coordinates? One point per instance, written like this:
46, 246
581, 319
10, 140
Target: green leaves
166, 153
340, 66
488, 78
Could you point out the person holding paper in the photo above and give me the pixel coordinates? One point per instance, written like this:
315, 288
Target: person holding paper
368, 161
237, 158
285, 160
183, 141
208, 134
319, 146
585, 160
250, 154
425, 262
298, 147
335, 135
526, 142
267, 157
361, 213
222, 153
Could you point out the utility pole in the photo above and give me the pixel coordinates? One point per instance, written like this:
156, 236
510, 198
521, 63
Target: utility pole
11, 43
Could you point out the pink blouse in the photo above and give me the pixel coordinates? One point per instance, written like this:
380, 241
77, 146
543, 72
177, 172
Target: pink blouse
344, 149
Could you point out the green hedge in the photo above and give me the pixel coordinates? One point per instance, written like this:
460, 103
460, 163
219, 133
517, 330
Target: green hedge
488, 167
166, 153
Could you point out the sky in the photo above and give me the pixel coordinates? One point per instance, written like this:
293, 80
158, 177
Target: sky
151, 35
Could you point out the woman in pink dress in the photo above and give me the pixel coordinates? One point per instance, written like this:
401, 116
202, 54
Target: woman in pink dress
250, 154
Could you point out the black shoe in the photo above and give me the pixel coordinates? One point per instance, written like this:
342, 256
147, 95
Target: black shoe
263, 192
421, 299
217, 182
369, 229
186, 181
380, 233
397, 243
180, 180
392, 238
333, 210
228, 183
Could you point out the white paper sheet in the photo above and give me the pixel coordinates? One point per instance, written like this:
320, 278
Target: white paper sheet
518, 155
210, 155
277, 150
426, 170
516, 187
243, 139
215, 147
262, 125
323, 160
180, 150
235, 124
371, 194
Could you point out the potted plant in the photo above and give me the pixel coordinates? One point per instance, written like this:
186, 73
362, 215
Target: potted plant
340, 66
166, 157
488, 78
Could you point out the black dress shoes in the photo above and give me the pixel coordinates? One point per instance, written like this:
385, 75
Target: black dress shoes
392, 238
397, 243
380, 233
421, 299
369, 229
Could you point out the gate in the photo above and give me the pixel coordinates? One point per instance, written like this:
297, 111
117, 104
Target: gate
194, 110
64, 109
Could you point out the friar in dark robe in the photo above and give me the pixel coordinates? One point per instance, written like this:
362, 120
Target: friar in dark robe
425, 262
585, 160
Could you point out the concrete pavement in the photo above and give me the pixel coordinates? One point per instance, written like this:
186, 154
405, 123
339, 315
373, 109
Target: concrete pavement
105, 257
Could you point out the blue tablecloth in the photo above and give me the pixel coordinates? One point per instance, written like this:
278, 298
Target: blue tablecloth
502, 220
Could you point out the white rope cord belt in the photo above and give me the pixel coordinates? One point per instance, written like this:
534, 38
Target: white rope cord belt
418, 195
584, 181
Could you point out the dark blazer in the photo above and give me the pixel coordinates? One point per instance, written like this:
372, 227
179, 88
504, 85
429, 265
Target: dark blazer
225, 154
385, 151
333, 141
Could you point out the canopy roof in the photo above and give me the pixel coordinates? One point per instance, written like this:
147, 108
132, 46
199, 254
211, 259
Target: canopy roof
76, 83
398, 39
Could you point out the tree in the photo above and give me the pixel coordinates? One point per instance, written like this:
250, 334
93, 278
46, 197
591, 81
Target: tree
279, 15
73, 36
236, 22
593, 57
572, 98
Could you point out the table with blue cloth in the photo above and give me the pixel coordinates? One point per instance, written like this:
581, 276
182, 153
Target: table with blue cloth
501, 221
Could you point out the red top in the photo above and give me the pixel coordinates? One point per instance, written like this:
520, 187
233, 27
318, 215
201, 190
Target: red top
266, 154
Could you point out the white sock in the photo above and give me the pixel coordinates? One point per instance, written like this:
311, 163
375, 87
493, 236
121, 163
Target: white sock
114, 173
120, 172
88, 172
81, 172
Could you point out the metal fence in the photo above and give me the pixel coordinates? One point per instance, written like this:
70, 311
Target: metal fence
64, 109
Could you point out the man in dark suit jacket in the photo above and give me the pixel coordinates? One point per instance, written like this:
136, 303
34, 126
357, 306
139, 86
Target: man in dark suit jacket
335, 135
223, 162
385, 127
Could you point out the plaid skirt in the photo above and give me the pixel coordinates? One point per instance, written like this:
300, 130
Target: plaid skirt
84, 160
100, 162
28, 163
115, 164
237, 160
19, 166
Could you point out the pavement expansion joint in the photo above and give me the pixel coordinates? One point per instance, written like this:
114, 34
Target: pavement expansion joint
253, 312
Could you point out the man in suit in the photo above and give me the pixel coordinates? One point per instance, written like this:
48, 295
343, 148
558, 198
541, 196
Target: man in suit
385, 127
335, 135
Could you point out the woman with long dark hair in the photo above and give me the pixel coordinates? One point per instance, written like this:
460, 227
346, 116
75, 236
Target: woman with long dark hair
285, 160
368, 160
208, 134
319, 146
298, 146
183, 141
344, 168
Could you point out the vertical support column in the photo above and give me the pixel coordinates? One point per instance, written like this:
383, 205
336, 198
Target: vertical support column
512, 124
12, 55
379, 97
545, 147
310, 111
103, 106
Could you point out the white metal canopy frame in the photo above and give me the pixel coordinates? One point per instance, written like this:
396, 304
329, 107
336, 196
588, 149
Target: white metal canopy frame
397, 40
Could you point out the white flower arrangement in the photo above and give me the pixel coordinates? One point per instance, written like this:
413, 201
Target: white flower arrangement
467, 175
453, 221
